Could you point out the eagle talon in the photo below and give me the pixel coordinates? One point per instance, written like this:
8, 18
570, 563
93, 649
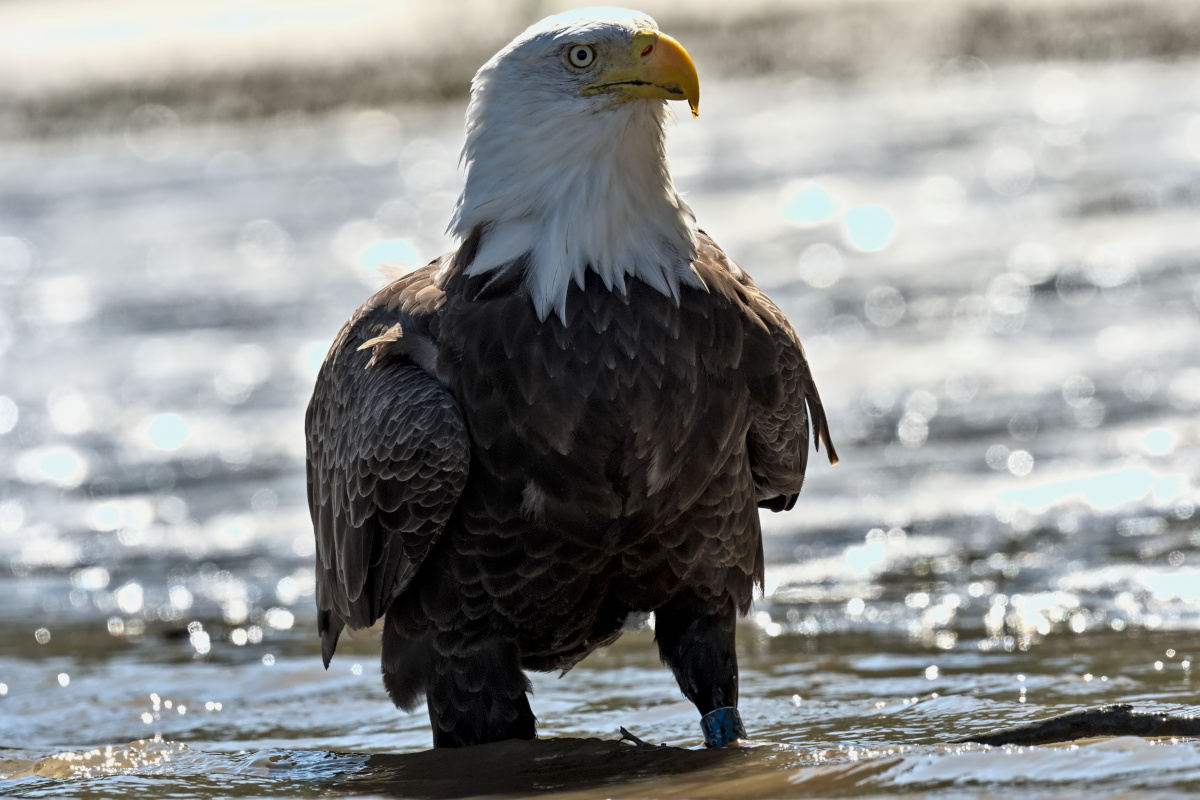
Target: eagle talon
722, 726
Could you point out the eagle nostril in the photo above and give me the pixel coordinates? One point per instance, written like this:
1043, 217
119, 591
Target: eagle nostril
649, 49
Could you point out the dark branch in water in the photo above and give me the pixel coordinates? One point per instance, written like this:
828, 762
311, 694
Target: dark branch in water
1119, 720
627, 736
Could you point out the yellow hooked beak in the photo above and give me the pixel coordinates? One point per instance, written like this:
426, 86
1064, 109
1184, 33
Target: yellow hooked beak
655, 66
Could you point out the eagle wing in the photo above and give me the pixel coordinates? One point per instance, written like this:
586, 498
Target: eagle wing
388, 454
787, 401
779, 433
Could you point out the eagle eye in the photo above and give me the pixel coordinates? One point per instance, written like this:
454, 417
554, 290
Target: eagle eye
581, 56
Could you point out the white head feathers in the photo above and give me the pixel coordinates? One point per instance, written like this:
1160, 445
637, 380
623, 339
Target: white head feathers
573, 182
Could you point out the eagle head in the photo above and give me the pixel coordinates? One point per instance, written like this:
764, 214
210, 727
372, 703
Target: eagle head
566, 162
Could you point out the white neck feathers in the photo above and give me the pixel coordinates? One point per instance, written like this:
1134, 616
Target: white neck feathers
572, 190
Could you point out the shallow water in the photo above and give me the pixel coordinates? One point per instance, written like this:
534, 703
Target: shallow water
997, 278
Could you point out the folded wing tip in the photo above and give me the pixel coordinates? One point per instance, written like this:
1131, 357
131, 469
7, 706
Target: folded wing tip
822, 434
330, 629
328, 645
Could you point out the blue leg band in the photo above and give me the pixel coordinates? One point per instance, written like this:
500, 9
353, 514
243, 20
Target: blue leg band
722, 726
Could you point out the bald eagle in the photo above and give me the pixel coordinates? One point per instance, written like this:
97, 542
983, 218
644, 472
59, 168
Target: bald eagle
570, 421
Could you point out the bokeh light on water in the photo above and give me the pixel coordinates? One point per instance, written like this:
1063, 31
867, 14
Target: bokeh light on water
993, 267
809, 204
869, 227
167, 432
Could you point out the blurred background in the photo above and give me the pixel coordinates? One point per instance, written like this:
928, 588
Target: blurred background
981, 216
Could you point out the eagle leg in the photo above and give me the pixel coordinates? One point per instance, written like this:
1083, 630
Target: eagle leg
697, 643
479, 695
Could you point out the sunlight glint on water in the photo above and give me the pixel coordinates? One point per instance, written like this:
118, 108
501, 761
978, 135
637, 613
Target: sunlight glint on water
1000, 300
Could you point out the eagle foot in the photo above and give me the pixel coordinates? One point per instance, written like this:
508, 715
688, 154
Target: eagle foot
722, 726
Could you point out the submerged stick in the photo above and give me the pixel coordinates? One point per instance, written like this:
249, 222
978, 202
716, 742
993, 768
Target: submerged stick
627, 736
1117, 720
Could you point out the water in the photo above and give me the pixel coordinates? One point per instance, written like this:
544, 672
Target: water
996, 275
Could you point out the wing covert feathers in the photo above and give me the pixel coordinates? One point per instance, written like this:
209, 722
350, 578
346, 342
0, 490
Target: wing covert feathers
387, 457
788, 401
